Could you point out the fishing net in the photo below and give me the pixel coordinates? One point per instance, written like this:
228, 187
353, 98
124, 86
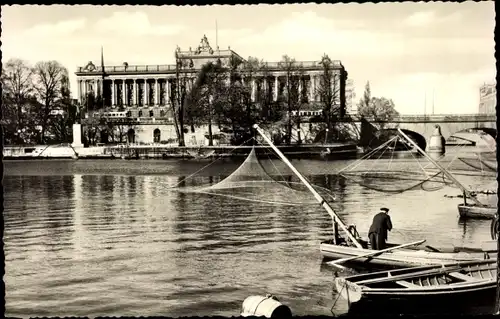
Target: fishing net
481, 163
388, 168
251, 182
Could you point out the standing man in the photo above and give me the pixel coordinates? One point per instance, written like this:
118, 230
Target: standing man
378, 230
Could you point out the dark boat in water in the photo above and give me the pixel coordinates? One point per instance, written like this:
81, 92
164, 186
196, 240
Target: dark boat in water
467, 210
467, 287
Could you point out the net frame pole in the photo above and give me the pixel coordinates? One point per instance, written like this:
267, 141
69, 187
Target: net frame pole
316, 195
441, 168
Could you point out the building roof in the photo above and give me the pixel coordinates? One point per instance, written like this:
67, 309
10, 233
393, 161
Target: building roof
203, 52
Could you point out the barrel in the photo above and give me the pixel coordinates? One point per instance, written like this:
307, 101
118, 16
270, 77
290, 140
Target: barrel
437, 143
267, 306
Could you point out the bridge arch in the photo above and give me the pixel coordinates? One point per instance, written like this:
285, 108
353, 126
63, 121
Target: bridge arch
479, 136
388, 133
488, 130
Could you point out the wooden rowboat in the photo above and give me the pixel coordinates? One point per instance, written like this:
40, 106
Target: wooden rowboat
403, 257
460, 287
466, 210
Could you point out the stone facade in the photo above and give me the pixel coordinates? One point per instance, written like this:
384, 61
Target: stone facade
487, 99
145, 93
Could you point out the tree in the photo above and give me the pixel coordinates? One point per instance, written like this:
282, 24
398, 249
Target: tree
61, 124
379, 109
365, 101
203, 100
328, 91
18, 102
50, 80
290, 97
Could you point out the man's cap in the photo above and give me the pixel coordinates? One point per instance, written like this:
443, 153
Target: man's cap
384, 209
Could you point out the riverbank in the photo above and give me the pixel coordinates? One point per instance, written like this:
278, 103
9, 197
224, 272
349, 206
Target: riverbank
326, 151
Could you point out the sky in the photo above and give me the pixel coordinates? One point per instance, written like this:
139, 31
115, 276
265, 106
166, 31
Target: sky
423, 56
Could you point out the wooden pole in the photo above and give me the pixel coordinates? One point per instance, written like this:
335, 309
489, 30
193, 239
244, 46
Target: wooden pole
318, 197
450, 176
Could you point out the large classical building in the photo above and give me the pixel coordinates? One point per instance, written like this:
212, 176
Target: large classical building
487, 99
141, 96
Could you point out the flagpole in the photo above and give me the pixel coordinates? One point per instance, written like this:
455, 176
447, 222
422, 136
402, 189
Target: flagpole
216, 36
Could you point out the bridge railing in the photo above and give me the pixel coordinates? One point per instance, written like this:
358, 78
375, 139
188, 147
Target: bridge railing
430, 118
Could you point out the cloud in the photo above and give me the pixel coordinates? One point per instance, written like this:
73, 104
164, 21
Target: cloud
62, 28
420, 18
451, 92
134, 24
428, 18
306, 34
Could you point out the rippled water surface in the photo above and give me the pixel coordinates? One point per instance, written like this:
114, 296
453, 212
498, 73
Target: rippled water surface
111, 238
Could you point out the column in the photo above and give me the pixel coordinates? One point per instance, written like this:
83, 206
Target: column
85, 88
79, 88
167, 91
101, 88
135, 92
313, 85
158, 91
300, 89
113, 93
311, 91
266, 87
252, 95
97, 84
145, 96
124, 93
276, 88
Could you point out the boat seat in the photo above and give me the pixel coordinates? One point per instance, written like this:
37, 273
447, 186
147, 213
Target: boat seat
407, 284
461, 276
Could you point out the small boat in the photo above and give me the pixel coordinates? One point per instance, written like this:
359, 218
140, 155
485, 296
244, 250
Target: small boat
467, 210
351, 245
402, 257
444, 289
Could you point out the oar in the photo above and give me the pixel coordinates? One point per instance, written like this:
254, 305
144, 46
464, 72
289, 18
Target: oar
376, 252
433, 249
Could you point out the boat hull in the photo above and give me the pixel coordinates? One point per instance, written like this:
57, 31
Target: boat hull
459, 288
472, 301
478, 212
397, 258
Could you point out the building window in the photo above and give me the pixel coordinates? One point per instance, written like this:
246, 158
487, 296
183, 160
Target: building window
151, 113
140, 113
129, 114
162, 113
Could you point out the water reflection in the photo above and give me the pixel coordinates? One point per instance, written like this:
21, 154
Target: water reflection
122, 242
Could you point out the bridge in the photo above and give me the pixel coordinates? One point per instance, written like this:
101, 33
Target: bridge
421, 127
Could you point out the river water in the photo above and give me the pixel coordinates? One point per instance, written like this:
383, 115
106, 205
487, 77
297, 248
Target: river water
110, 238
